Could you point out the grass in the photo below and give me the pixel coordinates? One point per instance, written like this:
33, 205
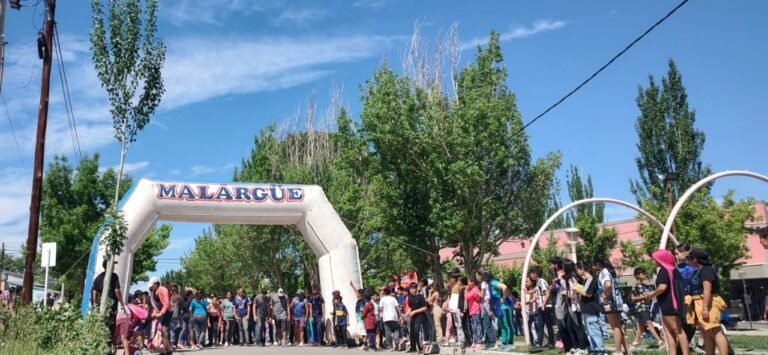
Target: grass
738, 342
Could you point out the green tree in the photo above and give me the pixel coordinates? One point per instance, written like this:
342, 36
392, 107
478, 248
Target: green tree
669, 142
75, 200
454, 170
128, 57
144, 258
73, 207
595, 241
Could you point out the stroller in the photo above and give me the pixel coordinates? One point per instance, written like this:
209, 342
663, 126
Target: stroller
127, 324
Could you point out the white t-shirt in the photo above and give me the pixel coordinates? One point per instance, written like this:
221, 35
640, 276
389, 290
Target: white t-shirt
603, 277
486, 292
388, 309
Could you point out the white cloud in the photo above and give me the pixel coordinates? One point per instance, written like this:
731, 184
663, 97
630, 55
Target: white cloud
518, 32
203, 170
14, 205
199, 69
298, 16
131, 168
210, 12
373, 4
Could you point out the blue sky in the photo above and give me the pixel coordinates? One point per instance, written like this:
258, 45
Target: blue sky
235, 66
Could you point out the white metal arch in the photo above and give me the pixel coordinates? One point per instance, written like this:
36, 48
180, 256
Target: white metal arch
535, 241
693, 189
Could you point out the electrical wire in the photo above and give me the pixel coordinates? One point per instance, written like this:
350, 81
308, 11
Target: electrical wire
13, 131
71, 121
583, 83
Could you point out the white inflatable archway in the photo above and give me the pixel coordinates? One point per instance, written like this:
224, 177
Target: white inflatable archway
691, 190
535, 241
304, 206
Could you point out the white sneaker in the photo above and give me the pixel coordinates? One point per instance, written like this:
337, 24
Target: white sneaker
301, 344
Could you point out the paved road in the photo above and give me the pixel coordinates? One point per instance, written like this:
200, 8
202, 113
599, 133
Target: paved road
297, 351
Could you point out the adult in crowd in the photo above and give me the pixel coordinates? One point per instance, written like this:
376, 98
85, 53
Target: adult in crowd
114, 294
586, 288
390, 314
611, 302
487, 314
199, 309
260, 314
454, 309
541, 286
704, 304
417, 313
228, 315
214, 320
279, 306
669, 293
242, 313
536, 290
643, 308
161, 312
299, 314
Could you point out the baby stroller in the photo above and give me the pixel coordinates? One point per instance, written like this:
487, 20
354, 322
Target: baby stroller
127, 324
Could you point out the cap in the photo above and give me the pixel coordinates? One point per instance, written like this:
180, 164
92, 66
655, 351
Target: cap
698, 253
336, 293
154, 280
413, 285
279, 291
300, 292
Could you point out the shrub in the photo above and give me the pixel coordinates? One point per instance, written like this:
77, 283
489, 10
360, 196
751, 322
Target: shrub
31, 330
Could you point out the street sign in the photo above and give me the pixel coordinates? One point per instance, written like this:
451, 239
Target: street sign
49, 255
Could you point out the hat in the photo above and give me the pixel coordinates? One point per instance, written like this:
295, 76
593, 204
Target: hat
700, 254
154, 280
300, 292
280, 291
336, 293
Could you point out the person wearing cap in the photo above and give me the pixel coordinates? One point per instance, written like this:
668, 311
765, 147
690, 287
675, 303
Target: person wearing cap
299, 314
704, 303
161, 305
643, 308
279, 306
260, 313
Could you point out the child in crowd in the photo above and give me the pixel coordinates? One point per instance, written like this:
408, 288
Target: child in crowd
340, 315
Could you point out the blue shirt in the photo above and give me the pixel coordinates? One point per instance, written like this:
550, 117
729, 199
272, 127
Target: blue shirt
317, 306
199, 307
686, 271
241, 305
340, 312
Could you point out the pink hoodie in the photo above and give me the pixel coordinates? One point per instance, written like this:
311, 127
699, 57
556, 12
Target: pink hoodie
666, 260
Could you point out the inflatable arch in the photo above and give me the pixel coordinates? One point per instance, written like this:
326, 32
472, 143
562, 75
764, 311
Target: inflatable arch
535, 240
304, 206
691, 190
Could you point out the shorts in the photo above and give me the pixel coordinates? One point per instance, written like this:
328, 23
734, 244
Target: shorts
122, 327
281, 325
301, 322
643, 317
694, 307
361, 328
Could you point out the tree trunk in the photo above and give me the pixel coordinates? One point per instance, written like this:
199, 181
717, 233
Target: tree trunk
111, 258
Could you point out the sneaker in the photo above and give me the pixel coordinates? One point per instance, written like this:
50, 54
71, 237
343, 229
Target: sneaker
509, 347
301, 344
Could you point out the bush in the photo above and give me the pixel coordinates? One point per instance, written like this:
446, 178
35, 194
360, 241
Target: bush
32, 330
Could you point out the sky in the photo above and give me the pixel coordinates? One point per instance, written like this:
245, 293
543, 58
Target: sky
235, 66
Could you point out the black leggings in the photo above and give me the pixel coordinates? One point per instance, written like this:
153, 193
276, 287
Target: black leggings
213, 330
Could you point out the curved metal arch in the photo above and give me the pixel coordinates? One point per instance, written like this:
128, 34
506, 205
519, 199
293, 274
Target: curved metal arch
691, 190
535, 241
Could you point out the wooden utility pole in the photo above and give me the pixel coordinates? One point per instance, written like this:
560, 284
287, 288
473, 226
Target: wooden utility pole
45, 49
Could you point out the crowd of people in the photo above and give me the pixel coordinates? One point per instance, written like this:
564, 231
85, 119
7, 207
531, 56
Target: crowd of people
581, 307
584, 305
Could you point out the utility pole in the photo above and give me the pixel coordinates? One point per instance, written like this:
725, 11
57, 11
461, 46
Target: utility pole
45, 49
2, 266
2, 42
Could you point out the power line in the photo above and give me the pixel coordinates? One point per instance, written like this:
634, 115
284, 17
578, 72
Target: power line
13, 131
67, 97
585, 82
